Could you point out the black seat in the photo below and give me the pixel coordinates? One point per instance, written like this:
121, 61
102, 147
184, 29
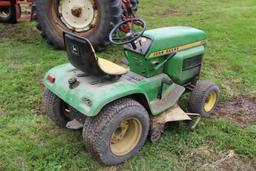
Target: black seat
82, 56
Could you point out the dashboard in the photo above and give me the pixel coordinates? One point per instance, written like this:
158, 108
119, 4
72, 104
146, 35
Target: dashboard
140, 46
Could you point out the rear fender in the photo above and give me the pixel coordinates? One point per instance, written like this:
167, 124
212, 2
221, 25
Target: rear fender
142, 99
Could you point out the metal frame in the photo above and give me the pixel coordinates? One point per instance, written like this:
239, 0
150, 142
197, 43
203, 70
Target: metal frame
17, 3
10, 3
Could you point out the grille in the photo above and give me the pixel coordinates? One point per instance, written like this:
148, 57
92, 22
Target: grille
192, 62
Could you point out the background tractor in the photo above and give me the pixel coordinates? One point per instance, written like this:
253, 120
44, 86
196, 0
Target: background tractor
11, 10
92, 19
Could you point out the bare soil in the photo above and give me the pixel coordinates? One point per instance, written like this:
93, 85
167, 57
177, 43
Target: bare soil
224, 160
241, 110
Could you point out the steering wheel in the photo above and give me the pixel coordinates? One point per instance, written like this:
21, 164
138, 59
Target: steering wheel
127, 31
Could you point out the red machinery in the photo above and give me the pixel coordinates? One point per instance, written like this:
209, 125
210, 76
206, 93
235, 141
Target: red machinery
92, 19
10, 10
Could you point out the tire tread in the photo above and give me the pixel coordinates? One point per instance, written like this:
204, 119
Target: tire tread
94, 126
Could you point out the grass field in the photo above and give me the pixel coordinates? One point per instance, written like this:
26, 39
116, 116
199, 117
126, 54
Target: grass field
30, 141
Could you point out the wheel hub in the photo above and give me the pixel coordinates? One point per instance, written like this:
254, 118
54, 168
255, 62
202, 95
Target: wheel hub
78, 15
77, 11
119, 133
126, 136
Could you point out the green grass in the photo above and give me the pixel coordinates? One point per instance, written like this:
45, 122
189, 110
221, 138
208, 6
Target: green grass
30, 141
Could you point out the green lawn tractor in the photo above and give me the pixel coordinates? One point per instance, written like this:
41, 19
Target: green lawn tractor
119, 108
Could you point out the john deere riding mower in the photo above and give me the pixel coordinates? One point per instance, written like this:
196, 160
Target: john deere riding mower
118, 107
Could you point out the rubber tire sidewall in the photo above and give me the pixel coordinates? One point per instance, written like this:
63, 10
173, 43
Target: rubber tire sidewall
101, 144
53, 107
75, 114
98, 38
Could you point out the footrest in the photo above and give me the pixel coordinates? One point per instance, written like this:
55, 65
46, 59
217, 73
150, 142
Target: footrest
74, 124
170, 98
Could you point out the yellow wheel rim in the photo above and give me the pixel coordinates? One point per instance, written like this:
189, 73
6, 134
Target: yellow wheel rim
211, 101
126, 136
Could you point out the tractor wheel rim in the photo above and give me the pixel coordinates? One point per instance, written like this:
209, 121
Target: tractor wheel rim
78, 15
126, 136
211, 101
5, 12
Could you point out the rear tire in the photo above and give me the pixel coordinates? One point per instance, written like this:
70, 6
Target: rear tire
52, 26
56, 108
75, 114
8, 15
118, 132
204, 98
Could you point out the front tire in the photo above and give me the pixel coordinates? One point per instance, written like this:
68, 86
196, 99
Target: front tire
57, 110
204, 98
118, 132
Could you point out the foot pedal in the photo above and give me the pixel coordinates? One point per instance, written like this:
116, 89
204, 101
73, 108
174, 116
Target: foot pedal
74, 124
170, 98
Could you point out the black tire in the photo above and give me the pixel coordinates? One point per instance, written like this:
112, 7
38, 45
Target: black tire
75, 114
135, 4
97, 132
33, 11
52, 28
56, 108
200, 97
10, 16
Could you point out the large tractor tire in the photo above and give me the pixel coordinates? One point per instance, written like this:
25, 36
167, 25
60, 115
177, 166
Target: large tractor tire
92, 19
8, 15
118, 132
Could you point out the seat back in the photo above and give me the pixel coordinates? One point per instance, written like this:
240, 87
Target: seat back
81, 54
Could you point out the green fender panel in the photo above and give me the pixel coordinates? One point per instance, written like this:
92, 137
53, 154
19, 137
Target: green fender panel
98, 92
91, 94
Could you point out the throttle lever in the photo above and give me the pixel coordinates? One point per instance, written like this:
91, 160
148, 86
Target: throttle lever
134, 46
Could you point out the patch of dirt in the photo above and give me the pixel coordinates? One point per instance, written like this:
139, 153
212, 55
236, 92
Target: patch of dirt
241, 110
222, 160
40, 109
52, 128
39, 106
229, 161
4, 34
14, 32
